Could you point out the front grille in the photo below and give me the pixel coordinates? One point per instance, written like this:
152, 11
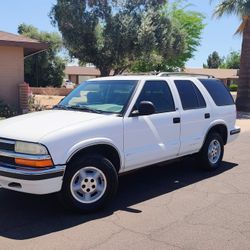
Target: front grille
7, 160
7, 145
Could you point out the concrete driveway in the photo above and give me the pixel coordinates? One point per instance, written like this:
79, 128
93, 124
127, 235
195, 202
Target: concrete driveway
172, 207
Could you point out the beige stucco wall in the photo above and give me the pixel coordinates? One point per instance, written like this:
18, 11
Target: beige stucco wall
78, 78
11, 74
84, 78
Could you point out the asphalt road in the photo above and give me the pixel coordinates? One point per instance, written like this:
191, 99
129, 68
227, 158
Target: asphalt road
177, 206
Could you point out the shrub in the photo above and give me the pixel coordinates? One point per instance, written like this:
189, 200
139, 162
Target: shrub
233, 87
6, 111
35, 105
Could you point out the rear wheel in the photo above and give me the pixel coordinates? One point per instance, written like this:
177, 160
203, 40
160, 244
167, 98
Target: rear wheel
211, 154
89, 183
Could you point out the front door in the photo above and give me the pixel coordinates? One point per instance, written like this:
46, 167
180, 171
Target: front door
152, 138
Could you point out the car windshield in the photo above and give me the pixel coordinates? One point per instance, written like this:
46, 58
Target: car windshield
102, 96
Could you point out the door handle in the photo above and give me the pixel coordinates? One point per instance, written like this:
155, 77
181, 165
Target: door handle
207, 116
176, 120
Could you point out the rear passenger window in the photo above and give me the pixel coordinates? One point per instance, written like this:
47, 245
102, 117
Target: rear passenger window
191, 97
159, 93
218, 92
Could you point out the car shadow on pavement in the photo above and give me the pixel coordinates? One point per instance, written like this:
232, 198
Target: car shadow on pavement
24, 216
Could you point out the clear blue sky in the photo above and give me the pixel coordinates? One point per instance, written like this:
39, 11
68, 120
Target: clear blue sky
217, 35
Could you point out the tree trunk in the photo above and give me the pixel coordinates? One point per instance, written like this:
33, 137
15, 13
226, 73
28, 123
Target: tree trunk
105, 71
243, 95
119, 71
116, 72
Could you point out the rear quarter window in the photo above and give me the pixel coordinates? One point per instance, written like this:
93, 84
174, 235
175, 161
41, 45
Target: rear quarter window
218, 91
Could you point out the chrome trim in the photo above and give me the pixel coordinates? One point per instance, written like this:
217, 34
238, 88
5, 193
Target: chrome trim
23, 171
7, 141
6, 153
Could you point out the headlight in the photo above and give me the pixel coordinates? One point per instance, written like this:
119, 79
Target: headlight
30, 148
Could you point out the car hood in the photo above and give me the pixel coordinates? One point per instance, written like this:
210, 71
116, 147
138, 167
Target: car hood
35, 126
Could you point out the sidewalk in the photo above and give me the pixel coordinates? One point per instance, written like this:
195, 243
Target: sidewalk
244, 124
243, 120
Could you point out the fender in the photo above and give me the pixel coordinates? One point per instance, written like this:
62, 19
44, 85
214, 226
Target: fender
212, 124
93, 142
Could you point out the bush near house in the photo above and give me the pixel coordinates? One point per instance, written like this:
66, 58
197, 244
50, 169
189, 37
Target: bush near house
6, 111
35, 105
233, 87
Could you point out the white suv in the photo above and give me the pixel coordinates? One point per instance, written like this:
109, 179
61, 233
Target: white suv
112, 125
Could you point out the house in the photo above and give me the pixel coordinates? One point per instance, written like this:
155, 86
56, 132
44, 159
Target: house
13, 50
79, 74
228, 76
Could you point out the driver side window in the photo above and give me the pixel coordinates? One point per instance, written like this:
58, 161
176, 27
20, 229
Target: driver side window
159, 93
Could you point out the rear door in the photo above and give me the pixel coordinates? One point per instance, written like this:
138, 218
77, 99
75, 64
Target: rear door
195, 116
152, 138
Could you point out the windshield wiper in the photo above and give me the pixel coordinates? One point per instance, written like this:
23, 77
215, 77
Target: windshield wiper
84, 108
60, 106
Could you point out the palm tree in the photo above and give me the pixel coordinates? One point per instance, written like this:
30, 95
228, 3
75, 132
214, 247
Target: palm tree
240, 8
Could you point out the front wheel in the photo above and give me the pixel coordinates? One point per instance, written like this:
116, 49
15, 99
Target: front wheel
211, 154
89, 183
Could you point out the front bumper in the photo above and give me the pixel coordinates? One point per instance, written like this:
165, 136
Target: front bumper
32, 181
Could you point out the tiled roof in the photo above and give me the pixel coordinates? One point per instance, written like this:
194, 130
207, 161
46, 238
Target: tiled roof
217, 73
30, 45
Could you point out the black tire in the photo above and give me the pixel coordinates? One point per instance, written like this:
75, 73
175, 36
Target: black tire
203, 156
99, 162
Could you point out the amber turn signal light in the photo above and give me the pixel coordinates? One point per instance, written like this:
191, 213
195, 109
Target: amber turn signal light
34, 163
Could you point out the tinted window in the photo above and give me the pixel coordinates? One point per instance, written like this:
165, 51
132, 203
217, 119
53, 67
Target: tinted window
201, 101
218, 92
191, 97
159, 94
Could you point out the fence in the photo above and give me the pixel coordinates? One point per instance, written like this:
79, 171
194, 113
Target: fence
50, 91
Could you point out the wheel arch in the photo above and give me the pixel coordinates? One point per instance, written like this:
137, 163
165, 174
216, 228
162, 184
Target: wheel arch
105, 149
221, 129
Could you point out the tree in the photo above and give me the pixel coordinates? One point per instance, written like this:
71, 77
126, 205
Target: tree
45, 68
213, 61
190, 23
112, 34
232, 61
240, 8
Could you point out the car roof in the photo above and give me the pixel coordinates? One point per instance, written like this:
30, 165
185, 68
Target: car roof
141, 77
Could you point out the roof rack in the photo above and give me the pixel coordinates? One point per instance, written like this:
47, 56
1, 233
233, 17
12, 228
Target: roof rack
139, 73
184, 74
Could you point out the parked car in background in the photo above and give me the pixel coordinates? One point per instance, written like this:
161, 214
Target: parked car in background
68, 84
108, 126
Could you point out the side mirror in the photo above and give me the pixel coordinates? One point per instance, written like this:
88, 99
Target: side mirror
146, 108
